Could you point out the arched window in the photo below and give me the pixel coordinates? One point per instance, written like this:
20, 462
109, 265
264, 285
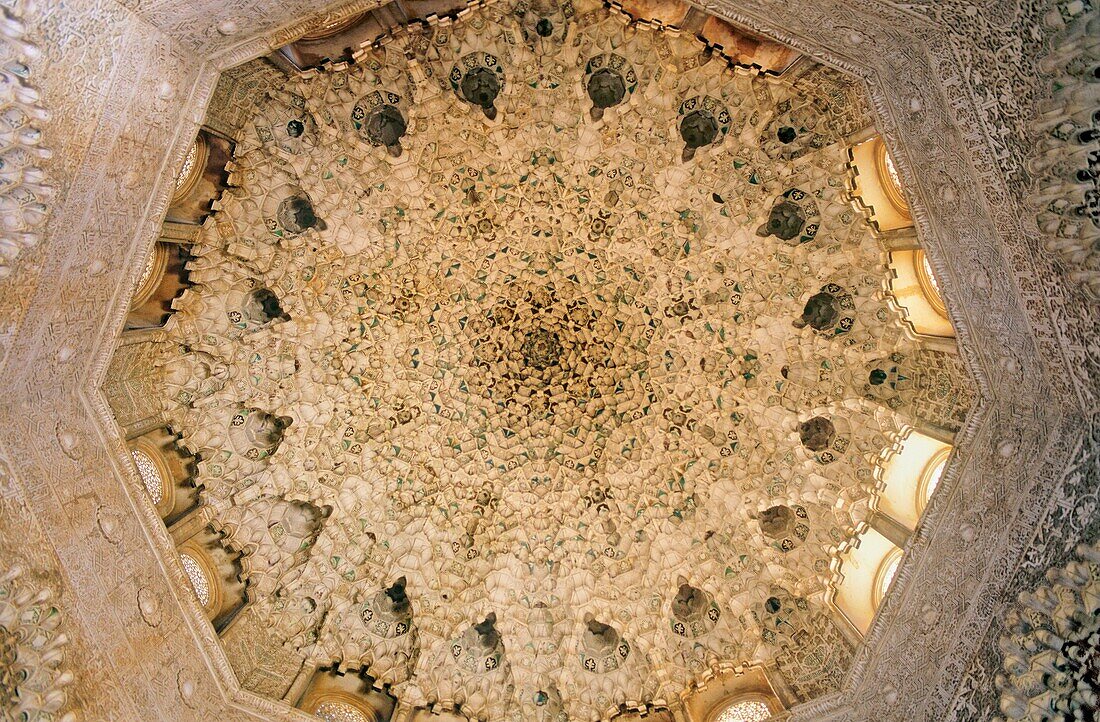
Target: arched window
729, 694
887, 569
194, 163
165, 471
908, 473
875, 186
745, 709
216, 575
163, 278
888, 177
862, 573
336, 710
151, 276
201, 178
930, 477
150, 475
199, 577
348, 696
916, 292
929, 286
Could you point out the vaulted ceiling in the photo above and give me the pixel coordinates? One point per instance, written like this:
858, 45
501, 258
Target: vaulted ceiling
539, 354
534, 318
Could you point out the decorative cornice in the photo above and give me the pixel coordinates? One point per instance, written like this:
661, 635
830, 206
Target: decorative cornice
267, 42
1018, 323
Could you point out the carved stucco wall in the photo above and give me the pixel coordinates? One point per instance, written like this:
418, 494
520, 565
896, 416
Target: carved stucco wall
953, 91
523, 298
207, 28
124, 101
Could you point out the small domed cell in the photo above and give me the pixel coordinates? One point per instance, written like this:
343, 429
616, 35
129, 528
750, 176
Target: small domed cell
606, 88
481, 87
698, 129
386, 126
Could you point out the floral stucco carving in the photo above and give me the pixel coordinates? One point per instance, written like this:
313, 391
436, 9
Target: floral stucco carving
531, 359
1023, 324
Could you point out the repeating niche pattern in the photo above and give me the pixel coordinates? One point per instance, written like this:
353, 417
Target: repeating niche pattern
480, 648
477, 671
388, 612
829, 312
812, 651
602, 650
478, 79
609, 80
24, 190
256, 434
698, 628
795, 130
703, 121
533, 364
285, 124
544, 22
293, 214
793, 218
380, 119
615, 671
32, 684
787, 526
694, 612
1051, 646
276, 537
825, 438
251, 307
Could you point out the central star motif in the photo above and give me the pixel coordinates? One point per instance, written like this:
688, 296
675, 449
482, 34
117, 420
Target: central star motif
550, 352
561, 366
541, 349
